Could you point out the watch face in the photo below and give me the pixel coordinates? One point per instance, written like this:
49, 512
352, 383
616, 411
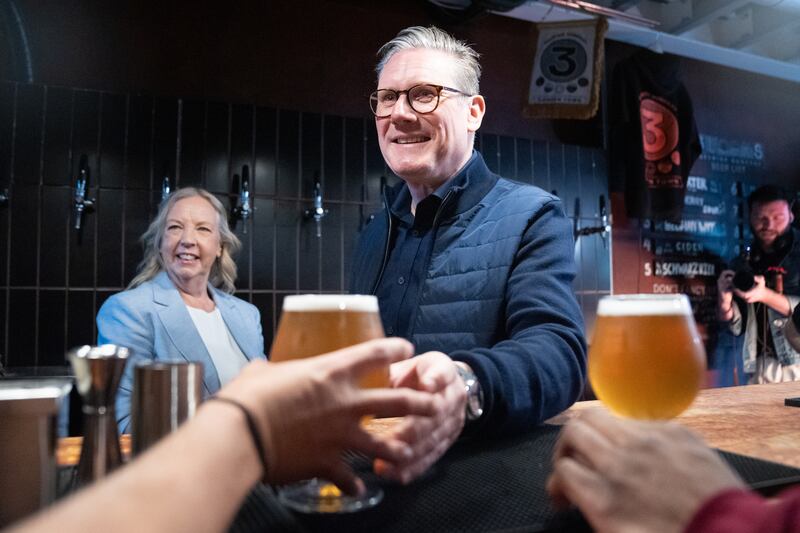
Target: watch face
473, 407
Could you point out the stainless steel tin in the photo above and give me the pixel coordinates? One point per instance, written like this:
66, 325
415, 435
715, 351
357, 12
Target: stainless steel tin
28, 418
165, 394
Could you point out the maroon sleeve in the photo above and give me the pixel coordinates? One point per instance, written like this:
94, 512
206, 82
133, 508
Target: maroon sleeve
742, 511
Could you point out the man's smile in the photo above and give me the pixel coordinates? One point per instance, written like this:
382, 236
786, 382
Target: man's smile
411, 140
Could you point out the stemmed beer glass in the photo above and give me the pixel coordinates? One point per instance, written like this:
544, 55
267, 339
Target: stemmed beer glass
646, 360
313, 324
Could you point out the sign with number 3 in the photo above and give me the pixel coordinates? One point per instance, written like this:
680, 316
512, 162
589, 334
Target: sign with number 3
567, 68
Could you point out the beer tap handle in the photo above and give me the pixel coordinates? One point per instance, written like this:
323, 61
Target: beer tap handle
603, 229
318, 212
242, 210
166, 189
604, 221
244, 198
81, 203
604, 213
317, 198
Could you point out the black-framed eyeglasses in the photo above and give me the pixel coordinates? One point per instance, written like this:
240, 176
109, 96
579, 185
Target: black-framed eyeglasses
423, 98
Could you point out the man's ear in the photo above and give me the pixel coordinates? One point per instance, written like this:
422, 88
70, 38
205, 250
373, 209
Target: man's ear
477, 108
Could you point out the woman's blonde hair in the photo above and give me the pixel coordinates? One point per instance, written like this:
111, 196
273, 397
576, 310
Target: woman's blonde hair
223, 272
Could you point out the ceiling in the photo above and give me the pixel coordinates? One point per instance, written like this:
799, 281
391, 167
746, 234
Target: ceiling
761, 36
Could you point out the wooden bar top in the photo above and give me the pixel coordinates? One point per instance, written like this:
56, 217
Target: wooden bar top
749, 420
68, 450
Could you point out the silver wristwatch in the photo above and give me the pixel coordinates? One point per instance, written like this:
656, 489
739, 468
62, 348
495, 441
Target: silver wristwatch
474, 408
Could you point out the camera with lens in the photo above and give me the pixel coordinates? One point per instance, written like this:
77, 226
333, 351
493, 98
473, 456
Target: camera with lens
744, 277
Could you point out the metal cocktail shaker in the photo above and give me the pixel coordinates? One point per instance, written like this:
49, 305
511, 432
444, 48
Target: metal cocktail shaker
98, 370
165, 394
28, 415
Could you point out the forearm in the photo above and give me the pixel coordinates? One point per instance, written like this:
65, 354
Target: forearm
192, 472
778, 302
725, 308
539, 368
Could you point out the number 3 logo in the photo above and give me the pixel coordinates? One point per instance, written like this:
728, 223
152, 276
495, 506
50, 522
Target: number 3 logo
652, 134
566, 56
659, 129
563, 60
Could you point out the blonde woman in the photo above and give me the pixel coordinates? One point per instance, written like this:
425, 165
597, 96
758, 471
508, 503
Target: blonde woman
180, 306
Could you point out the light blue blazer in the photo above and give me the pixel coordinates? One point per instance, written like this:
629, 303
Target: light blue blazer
153, 322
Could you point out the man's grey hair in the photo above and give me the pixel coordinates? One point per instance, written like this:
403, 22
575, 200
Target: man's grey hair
468, 73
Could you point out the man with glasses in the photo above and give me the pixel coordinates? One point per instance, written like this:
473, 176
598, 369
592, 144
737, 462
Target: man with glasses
464, 262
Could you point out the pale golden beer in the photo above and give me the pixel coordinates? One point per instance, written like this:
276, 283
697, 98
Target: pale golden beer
314, 324
646, 360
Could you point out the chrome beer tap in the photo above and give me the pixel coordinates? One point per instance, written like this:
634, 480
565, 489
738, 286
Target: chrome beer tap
165, 188
605, 223
604, 229
317, 213
80, 202
243, 210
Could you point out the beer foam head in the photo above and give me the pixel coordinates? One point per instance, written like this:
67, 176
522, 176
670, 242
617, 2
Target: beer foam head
331, 302
644, 304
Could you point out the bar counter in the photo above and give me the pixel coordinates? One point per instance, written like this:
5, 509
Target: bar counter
750, 420
499, 484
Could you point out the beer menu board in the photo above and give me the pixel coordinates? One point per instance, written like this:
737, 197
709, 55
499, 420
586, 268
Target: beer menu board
688, 257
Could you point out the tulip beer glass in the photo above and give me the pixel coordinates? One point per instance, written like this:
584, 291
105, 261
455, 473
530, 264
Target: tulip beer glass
646, 360
313, 324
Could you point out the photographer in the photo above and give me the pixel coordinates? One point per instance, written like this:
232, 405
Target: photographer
757, 296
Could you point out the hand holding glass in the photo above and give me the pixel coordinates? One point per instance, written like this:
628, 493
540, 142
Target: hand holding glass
313, 324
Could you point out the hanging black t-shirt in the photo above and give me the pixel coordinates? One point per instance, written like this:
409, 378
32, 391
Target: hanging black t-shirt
653, 140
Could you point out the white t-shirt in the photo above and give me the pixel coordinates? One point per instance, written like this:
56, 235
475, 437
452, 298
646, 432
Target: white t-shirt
225, 353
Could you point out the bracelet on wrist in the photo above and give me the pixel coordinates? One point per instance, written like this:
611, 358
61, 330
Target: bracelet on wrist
252, 428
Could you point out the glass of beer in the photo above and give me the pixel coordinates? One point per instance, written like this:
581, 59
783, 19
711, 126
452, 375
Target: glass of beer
646, 360
314, 324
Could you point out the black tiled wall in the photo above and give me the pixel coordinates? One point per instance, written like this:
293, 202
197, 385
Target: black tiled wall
53, 279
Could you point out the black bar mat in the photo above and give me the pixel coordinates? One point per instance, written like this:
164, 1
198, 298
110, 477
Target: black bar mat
765, 477
486, 486
490, 486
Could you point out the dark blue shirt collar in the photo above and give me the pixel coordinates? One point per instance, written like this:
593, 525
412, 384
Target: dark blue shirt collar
401, 207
